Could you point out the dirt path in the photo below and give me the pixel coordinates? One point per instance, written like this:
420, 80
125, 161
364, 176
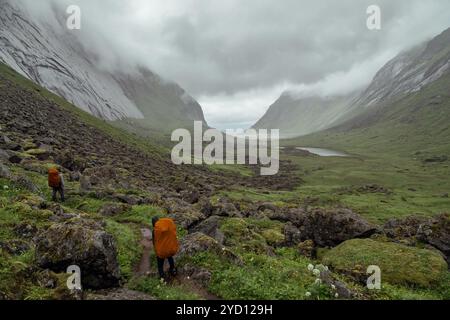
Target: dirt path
144, 269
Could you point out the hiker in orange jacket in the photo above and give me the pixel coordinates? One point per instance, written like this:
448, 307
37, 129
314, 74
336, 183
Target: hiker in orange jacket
56, 182
166, 238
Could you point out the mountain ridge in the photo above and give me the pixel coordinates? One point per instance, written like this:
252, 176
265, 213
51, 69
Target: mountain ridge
57, 60
408, 72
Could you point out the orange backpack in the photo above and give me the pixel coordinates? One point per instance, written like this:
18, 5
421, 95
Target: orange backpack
54, 180
166, 242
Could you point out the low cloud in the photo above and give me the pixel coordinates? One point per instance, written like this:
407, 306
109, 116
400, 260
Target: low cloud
234, 56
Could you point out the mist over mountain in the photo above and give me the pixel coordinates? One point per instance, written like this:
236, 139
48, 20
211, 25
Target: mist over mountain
408, 72
58, 59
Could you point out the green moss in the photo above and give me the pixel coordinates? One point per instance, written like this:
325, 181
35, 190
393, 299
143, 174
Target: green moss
36, 152
141, 215
243, 236
85, 204
38, 293
399, 264
262, 277
162, 291
128, 246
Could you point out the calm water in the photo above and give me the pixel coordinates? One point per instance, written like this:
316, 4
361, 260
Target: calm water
324, 152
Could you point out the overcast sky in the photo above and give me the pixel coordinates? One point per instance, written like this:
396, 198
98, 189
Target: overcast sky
236, 57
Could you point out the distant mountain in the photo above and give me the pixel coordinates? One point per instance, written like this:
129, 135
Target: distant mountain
407, 73
300, 116
52, 56
406, 109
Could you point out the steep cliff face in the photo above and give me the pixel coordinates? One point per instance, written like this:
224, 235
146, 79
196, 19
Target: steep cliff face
56, 58
410, 71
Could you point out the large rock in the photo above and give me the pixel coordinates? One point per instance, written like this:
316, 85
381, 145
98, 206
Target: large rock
432, 231
296, 216
4, 172
292, 235
198, 242
113, 209
83, 243
210, 227
4, 156
329, 228
225, 208
15, 159
404, 228
399, 264
437, 234
182, 212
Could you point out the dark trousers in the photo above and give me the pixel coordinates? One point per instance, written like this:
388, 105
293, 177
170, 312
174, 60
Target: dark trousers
161, 265
56, 191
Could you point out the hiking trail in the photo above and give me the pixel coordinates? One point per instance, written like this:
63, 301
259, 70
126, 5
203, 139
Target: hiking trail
144, 269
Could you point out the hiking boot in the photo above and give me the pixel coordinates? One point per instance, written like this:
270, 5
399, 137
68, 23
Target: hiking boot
173, 272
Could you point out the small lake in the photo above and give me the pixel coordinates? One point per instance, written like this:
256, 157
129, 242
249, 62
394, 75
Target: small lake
324, 152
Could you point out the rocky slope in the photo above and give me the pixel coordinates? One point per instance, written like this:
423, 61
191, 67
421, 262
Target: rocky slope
58, 59
409, 71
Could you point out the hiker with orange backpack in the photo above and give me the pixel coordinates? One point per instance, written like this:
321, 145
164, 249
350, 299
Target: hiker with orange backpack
56, 182
166, 245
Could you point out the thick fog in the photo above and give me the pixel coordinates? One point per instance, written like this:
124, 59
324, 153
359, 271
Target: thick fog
237, 57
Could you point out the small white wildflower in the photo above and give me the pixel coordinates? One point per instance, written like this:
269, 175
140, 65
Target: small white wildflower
223, 249
310, 267
189, 278
336, 295
316, 272
333, 287
5, 187
308, 294
318, 282
326, 268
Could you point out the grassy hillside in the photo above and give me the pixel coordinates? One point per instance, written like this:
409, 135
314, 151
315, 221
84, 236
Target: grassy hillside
415, 126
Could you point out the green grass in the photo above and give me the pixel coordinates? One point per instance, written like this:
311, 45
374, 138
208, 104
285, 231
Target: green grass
241, 170
162, 291
141, 215
262, 277
128, 246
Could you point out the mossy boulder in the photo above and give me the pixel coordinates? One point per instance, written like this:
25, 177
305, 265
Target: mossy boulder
83, 243
399, 264
210, 227
274, 237
329, 228
241, 234
195, 243
437, 234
